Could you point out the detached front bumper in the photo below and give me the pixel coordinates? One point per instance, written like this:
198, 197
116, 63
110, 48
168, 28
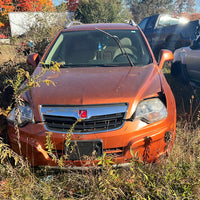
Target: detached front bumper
148, 143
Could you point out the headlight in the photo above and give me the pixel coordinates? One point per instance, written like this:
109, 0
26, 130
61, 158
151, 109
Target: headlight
24, 116
151, 110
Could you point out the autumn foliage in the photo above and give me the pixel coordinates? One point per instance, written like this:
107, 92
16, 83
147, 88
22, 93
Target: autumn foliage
193, 16
35, 5
7, 6
72, 4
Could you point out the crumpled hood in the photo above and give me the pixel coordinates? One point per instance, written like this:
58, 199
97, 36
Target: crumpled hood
100, 85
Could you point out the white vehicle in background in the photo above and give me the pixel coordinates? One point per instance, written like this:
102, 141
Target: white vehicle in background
186, 63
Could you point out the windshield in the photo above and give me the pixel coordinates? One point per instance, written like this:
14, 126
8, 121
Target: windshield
95, 48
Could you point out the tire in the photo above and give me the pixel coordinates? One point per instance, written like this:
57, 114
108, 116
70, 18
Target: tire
184, 74
180, 70
176, 69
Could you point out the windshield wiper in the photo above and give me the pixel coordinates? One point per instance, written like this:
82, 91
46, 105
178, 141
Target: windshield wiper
119, 45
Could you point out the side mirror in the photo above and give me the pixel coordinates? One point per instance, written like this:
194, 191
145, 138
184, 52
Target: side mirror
164, 56
33, 59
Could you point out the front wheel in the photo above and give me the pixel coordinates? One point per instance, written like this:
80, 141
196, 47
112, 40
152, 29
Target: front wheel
176, 69
180, 70
184, 74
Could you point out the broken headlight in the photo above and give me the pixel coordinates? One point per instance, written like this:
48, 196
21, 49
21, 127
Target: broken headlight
151, 110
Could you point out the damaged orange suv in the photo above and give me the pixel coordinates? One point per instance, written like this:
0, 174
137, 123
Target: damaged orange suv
110, 80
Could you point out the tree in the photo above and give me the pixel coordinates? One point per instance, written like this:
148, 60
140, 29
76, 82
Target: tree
62, 7
181, 6
143, 8
6, 6
190, 16
72, 4
94, 11
35, 5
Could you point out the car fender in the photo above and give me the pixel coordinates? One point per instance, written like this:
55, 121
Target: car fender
179, 55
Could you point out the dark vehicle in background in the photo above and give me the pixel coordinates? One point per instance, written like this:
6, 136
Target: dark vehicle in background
167, 32
186, 63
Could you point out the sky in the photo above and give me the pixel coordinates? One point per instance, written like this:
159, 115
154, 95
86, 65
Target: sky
198, 5
57, 2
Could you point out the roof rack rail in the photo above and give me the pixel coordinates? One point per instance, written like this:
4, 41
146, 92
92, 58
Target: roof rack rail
72, 23
132, 23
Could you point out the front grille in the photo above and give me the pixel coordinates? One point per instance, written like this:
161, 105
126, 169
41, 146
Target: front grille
94, 124
100, 118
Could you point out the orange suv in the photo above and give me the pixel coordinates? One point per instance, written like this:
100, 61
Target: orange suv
110, 80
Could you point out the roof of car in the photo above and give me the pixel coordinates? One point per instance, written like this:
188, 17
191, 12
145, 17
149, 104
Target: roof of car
106, 26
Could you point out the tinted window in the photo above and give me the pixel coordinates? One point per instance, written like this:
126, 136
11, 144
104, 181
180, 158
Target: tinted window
143, 23
167, 20
94, 48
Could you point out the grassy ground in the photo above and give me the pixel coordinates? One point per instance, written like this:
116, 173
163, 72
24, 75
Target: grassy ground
177, 177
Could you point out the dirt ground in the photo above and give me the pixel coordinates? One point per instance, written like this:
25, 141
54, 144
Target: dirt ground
11, 52
7, 52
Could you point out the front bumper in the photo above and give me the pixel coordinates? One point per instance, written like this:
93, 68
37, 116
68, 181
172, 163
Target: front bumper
148, 143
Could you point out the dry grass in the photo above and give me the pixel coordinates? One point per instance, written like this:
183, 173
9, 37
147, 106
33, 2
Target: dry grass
177, 177
7, 52
11, 53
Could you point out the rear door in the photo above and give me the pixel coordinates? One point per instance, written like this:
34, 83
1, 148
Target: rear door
193, 61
